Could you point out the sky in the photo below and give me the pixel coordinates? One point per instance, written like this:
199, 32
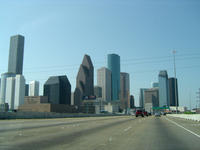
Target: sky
143, 32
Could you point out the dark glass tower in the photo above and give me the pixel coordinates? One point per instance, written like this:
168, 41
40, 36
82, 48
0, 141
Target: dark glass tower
58, 90
163, 88
16, 54
27, 90
173, 95
114, 66
84, 81
132, 101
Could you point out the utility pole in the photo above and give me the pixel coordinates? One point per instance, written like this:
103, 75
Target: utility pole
174, 53
198, 99
190, 102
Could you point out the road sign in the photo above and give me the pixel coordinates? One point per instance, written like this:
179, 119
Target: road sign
159, 108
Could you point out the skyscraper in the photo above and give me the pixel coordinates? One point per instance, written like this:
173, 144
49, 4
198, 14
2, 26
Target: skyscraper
163, 89
10, 92
4, 77
124, 90
84, 81
114, 66
15, 91
27, 90
58, 90
34, 88
154, 85
104, 81
98, 91
141, 97
0, 84
19, 91
16, 54
132, 102
151, 99
173, 95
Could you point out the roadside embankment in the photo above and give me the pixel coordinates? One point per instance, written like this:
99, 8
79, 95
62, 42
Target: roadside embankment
195, 117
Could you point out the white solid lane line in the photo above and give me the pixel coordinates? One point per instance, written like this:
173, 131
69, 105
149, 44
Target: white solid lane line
183, 127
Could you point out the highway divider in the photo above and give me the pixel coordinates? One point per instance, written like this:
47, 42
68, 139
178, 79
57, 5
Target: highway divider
194, 117
45, 115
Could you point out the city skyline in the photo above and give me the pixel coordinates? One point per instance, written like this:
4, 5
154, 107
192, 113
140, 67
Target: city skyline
123, 35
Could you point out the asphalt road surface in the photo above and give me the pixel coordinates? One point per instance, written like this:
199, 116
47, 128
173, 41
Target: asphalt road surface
100, 133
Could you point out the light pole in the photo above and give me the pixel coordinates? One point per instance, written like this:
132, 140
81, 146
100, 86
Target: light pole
174, 53
190, 103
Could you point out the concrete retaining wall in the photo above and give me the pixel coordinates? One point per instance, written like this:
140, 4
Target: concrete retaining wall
43, 115
195, 117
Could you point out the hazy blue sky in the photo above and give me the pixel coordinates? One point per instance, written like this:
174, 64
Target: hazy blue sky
143, 32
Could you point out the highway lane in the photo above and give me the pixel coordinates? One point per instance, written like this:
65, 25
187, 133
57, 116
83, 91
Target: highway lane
104, 133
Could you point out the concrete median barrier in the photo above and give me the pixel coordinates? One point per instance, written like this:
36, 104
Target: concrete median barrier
43, 115
195, 117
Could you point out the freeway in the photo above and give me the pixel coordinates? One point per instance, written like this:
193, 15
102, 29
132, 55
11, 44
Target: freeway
100, 133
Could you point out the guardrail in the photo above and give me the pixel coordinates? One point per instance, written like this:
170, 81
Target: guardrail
195, 117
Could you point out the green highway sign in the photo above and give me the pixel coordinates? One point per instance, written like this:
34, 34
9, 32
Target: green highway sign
158, 108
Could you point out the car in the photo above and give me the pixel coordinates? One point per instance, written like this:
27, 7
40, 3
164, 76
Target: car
157, 114
139, 113
163, 113
104, 112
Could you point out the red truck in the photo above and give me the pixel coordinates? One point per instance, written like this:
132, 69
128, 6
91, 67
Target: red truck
139, 113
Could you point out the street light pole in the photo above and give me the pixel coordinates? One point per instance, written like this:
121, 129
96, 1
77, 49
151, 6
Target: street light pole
174, 53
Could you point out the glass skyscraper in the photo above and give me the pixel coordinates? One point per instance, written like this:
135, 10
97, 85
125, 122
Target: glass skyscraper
16, 54
173, 95
114, 66
141, 97
163, 88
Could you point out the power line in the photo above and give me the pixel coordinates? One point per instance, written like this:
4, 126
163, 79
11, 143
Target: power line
127, 62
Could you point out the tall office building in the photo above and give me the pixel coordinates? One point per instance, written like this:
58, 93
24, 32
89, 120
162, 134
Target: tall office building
10, 92
163, 89
154, 85
58, 90
15, 91
104, 81
114, 66
141, 97
173, 95
16, 54
84, 81
0, 90
27, 90
132, 101
19, 91
4, 77
151, 99
98, 91
34, 88
72, 98
124, 90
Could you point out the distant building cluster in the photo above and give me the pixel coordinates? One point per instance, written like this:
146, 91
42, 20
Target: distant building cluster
162, 94
111, 93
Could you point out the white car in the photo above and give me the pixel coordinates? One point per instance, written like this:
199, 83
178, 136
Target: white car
157, 114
